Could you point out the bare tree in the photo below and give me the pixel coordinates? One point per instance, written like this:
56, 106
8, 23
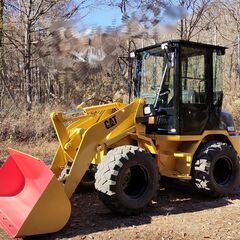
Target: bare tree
197, 20
233, 9
28, 24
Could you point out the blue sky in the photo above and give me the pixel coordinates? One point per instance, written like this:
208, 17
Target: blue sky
104, 16
111, 16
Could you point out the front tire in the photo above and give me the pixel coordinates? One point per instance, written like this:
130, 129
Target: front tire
216, 169
127, 180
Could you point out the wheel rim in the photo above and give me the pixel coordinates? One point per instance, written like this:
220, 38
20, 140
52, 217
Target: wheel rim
222, 171
134, 181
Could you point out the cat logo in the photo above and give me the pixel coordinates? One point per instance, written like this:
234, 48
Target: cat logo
110, 122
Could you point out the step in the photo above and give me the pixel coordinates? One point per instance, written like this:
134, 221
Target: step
182, 154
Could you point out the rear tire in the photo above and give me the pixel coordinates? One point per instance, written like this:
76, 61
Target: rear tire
127, 180
216, 169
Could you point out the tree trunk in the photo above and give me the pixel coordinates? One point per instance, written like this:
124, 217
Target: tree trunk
28, 72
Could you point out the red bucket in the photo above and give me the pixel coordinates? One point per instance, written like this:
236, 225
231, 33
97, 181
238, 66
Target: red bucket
32, 201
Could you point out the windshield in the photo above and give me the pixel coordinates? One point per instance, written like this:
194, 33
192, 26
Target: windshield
154, 77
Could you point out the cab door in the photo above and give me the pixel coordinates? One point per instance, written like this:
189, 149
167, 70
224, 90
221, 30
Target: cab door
194, 85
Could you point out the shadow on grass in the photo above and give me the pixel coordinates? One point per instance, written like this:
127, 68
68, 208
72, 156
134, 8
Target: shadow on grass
89, 215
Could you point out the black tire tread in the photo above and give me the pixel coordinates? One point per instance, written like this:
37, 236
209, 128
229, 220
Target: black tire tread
201, 169
106, 177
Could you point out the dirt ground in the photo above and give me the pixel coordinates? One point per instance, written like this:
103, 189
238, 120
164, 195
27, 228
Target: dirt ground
179, 214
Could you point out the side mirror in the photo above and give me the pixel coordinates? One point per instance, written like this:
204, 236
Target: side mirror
171, 59
170, 55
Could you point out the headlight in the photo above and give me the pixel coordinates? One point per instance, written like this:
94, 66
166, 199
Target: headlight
146, 110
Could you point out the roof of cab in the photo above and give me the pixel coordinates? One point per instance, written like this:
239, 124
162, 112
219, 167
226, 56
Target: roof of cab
183, 42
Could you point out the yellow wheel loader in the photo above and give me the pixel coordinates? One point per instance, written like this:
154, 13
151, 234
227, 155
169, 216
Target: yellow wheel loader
174, 127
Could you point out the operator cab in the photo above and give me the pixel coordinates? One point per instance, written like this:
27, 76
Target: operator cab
181, 82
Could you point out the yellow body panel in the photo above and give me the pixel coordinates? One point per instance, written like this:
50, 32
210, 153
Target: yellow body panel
177, 151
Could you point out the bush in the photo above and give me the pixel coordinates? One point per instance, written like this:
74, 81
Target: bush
25, 126
232, 104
